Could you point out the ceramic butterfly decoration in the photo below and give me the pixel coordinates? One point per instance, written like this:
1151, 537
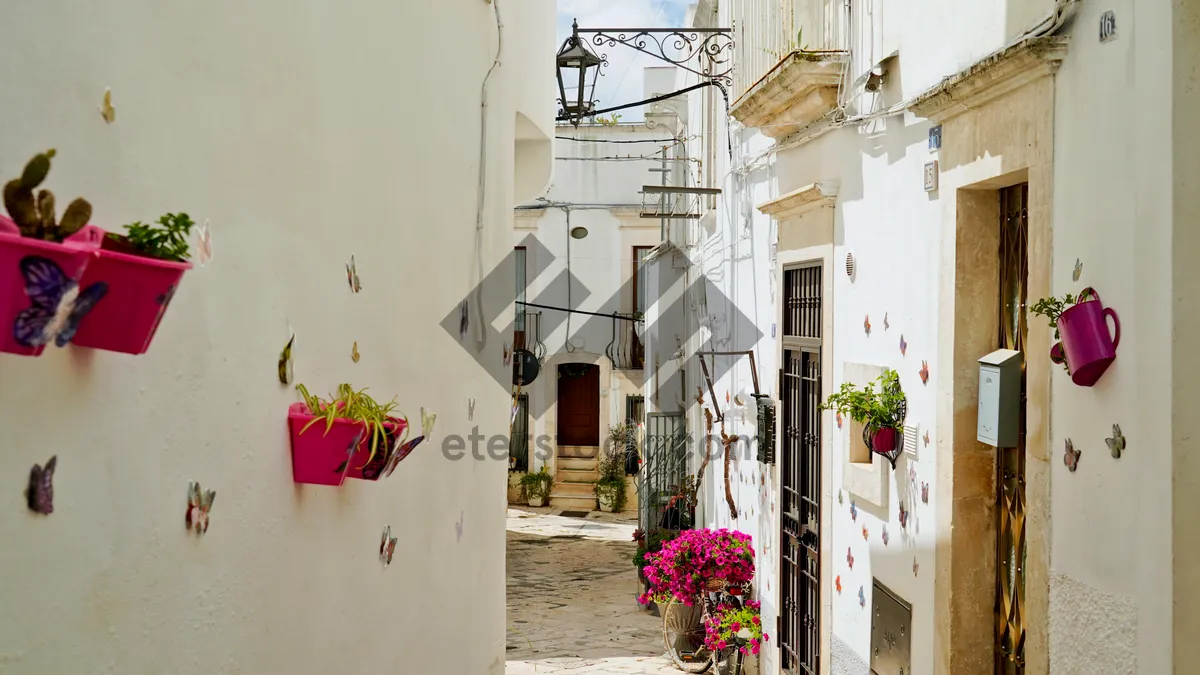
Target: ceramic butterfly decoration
849, 557
903, 517
470, 410
58, 305
107, 111
40, 494
387, 546
204, 244
839, 497
199, 504
354, 355
344, 467
406, 449
924, 493
839, 420
458, 527
867, 325
838, 583
885, 535
464, 320
903, 346
886, 325
285, 361
853, 511
862, 598
866, 534
352, 276
915, 566
926, 438
924, 372
1078, 271
912, 473
1116, 444
1071, 456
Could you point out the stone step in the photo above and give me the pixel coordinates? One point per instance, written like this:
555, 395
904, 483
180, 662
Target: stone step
572, 475
572, 489
573, 503
576, 464
578, 451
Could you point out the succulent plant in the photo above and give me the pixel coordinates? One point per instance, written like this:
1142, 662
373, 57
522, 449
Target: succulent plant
34, 213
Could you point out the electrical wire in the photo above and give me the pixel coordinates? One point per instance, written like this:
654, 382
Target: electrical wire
481, 339
610, 140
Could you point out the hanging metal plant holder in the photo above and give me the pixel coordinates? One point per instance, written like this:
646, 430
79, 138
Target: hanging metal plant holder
886, 437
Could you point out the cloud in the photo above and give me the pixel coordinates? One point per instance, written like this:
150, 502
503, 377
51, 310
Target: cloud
621, 81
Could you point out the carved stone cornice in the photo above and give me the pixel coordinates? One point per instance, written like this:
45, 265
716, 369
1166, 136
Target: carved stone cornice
992, 77
798, 202
797, 92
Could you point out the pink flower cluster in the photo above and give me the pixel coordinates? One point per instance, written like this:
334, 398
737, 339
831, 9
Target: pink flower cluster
722, 627
685, 563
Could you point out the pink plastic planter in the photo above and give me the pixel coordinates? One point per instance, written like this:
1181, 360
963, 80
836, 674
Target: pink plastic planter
139, 291
317, 455
71, 258
1089, 347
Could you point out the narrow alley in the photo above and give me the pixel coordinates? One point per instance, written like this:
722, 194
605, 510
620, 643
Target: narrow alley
571, 597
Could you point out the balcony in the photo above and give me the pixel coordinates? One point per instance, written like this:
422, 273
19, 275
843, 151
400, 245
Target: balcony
799, 92
626, 351
527, 333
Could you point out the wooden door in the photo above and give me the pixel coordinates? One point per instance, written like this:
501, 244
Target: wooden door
579, 404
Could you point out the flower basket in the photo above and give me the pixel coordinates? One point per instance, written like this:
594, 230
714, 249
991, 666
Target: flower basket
26, 296
139, 290
319, 457
1087, 345
886, 437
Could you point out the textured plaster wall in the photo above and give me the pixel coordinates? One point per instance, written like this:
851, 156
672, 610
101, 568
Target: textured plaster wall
305, 133
1123, 242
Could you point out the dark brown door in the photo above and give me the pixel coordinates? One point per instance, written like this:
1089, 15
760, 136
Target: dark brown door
578, 404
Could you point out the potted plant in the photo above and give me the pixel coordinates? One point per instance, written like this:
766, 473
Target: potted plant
42, 259
610, 487
1086, 348
687, 562
880, 412
734, 625
535, 487
360, 439
142, 269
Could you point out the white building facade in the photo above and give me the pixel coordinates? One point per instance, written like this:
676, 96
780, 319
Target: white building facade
305, 133
901, 186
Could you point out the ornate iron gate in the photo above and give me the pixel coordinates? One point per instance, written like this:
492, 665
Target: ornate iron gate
800, 472
663, 469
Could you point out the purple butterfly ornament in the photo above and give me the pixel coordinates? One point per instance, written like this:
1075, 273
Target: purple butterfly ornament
40, 495
58, 304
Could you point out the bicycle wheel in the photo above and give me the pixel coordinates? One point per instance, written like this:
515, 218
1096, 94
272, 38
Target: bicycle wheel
683, 636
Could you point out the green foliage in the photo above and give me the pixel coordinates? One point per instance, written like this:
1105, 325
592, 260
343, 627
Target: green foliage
536, 484
610, 121
1052, 308
168, 240
34, 213
865, 405
351, 405
612, 490
651, 543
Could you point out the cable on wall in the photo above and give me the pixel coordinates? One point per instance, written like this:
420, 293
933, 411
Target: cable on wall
481, 199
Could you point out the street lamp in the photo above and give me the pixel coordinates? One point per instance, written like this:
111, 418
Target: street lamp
573, 60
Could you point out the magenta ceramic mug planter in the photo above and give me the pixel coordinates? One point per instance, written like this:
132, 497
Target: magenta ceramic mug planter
1086, 342
319, 457
139, 291
41, 300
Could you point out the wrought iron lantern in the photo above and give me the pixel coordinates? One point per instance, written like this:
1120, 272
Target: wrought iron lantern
577, 65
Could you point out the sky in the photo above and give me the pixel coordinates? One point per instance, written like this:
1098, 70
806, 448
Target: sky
621, 81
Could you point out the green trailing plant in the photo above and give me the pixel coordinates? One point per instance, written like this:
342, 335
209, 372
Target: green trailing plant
1052, 308
34, 212
610, 121
611, 466
882, 408
352, 405
536, 484
167, 239
612, 491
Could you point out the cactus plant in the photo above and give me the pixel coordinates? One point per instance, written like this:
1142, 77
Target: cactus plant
34, 213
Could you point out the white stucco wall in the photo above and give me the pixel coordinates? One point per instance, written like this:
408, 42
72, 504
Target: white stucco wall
305, 133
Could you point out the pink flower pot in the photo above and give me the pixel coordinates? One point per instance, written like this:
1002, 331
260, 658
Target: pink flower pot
885, 440
318, 457
139, 291
1086, 341
37, 283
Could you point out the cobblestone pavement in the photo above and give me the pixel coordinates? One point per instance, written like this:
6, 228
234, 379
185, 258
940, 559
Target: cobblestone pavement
571, 590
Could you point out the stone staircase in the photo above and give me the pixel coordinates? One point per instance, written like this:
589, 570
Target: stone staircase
575, 472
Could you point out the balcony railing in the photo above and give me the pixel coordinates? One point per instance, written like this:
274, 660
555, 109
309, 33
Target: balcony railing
769, 30
626, 351
527, 333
